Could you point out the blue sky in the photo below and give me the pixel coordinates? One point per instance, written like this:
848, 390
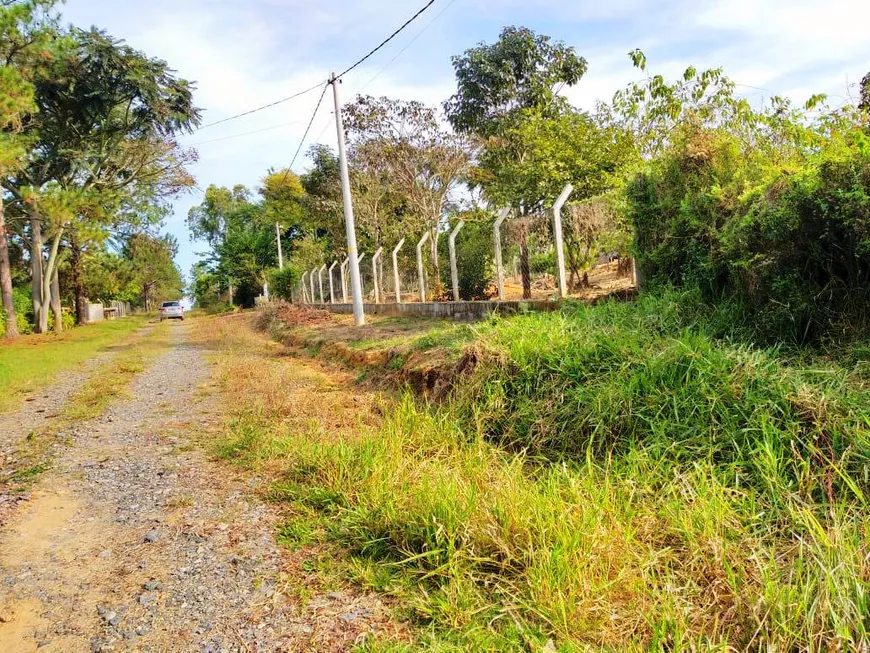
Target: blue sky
245, 53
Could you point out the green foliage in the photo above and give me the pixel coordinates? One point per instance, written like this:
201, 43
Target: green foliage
474, 257
521, 71
23, 312
282, 283
613, 477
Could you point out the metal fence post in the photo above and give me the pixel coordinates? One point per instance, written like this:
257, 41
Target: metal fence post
557, 234
311, 281
303, 284
331, 287
320, 272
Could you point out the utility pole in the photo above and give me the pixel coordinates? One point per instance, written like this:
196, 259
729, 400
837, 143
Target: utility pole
359, 317
280, 253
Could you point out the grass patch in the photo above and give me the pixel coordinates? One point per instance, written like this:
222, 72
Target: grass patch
31, 362
622, 477
109, 382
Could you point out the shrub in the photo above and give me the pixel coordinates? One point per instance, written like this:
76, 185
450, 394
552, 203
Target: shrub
282, 283
793, 245
23, 312
474, 261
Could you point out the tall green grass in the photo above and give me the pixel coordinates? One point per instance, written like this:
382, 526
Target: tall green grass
611, 478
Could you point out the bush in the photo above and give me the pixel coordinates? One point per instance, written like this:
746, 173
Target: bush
474, 261
283, 283
793, 245
23, 312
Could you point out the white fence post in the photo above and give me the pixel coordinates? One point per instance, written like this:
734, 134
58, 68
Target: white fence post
557, 234
420, 271
344, 280
396, 279
320, 272
303, 284
454, 271
375, 260
311, 281
496, 241
331, 287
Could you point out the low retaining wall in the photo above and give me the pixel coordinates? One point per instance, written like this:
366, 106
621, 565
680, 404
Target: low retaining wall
458, 311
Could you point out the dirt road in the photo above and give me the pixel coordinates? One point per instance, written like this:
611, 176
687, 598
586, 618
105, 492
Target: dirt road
135, 540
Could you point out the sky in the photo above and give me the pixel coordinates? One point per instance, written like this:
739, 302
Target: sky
243, 54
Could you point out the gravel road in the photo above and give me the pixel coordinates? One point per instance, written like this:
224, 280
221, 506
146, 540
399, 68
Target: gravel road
136, 541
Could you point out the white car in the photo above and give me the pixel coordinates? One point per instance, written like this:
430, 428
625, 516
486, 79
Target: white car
171, 311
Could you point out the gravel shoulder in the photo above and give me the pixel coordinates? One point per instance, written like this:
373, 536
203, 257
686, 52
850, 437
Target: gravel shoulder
136, 541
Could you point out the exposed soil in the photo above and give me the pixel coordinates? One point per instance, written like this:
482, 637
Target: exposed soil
136, 541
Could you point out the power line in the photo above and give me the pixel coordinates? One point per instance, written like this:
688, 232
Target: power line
388, 39
265, 106
407, 45
316, 86
307, 129
256, 131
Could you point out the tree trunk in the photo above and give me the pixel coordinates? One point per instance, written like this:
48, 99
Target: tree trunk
55, 302
78, 275
6, 279
36, 269
47, 274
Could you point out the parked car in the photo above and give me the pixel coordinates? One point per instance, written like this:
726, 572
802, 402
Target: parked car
171, 311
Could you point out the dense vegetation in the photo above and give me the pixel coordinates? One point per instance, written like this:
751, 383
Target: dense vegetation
620, 477
88, 164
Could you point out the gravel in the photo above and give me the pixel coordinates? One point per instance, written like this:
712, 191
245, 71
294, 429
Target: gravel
150, 506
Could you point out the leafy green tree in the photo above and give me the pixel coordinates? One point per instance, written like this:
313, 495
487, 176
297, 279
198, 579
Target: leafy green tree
521, 71
103, 137
25, 30
152, 269
500, 88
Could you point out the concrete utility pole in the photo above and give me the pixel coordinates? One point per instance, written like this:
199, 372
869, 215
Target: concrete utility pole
420, 271
344, 265
302, 283
396, 279
280, 253
496, 241
375, 261
320, 272
454, 271
557, 233
311, 281
359, 317
331, 288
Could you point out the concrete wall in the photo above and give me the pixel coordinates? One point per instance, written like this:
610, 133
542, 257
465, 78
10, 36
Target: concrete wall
457, 311
95, 313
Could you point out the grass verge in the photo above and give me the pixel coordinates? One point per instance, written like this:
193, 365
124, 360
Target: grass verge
109, 382
31, 362
608, 478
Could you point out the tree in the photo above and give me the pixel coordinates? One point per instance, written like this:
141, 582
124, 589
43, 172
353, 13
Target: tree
522, 70
500, 86
424, 161
103, 138
25, 28
152, 268
864, 102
